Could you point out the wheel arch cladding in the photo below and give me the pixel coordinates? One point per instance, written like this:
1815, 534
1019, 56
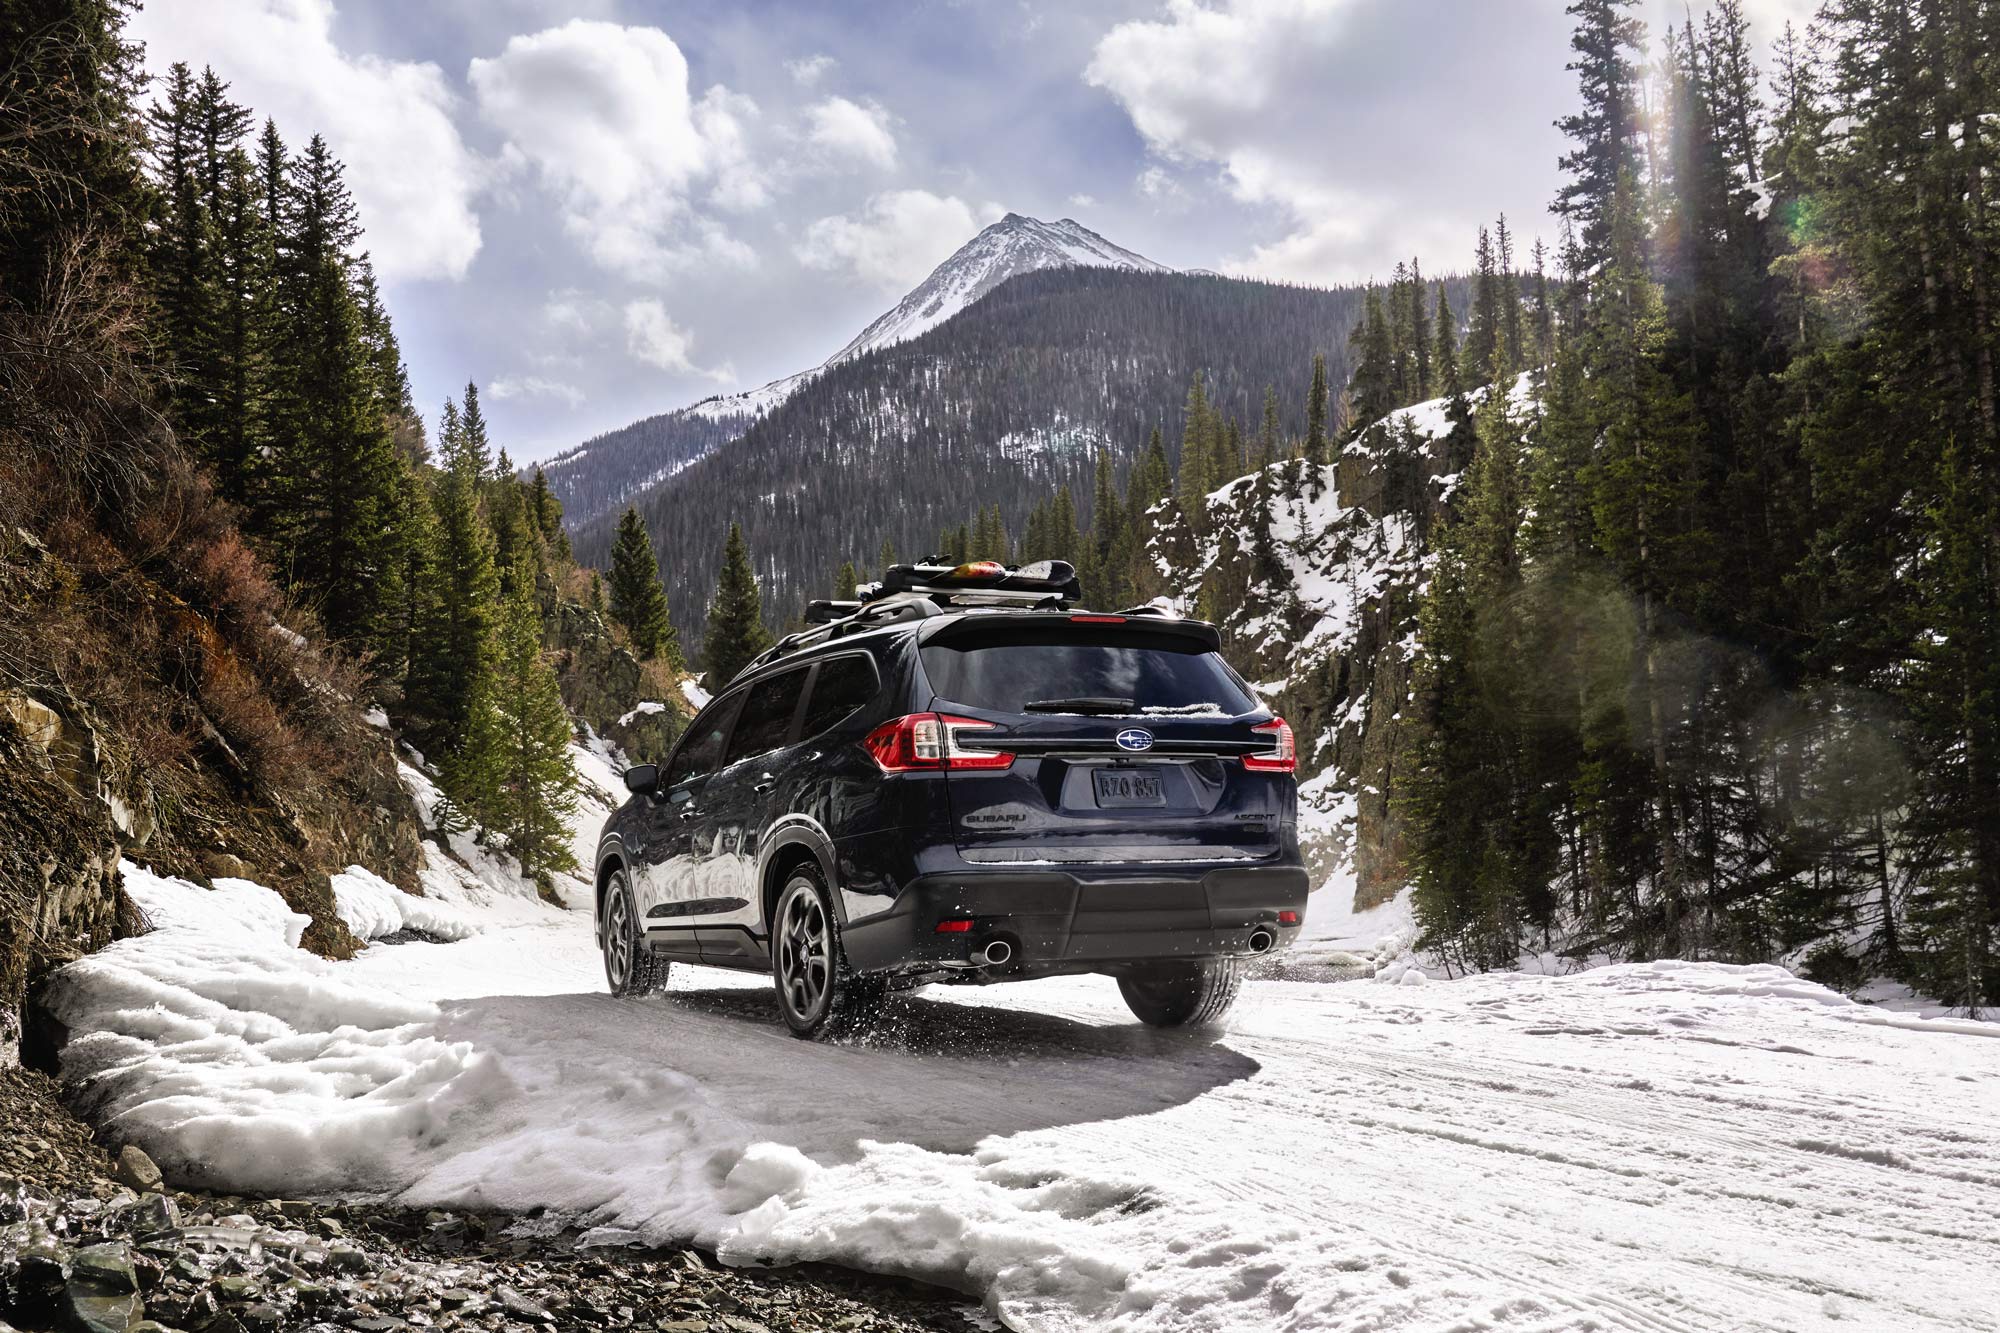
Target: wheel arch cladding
606, 868
789, 856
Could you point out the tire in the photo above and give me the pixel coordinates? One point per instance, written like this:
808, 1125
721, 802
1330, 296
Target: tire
818, 994
1182, 995
629, 966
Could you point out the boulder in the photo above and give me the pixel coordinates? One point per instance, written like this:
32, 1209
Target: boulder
136, 1171
102, 1293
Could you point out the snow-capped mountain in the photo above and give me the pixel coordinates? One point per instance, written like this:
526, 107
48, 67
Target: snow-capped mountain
601, 474
1012, 245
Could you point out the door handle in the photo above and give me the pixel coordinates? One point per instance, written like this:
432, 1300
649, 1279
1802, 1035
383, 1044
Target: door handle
761, 787
688, 813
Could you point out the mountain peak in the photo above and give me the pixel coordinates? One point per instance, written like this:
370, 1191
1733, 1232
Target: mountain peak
1015, 244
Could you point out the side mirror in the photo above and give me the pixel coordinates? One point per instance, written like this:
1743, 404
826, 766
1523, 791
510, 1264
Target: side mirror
643, 779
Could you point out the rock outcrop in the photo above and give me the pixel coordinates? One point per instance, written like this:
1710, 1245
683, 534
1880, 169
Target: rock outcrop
1313, 575
134, 724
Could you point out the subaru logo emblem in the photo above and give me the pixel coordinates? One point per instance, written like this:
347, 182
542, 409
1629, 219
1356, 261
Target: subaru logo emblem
1135, 738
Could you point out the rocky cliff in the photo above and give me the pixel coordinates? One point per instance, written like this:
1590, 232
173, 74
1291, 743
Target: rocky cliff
1313, 574
203, 737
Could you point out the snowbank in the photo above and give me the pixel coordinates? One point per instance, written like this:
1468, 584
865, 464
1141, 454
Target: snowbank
1693, 1145
373, 908
238, 1060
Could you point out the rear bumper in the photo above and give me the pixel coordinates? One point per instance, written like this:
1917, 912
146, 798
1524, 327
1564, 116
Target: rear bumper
1058, 920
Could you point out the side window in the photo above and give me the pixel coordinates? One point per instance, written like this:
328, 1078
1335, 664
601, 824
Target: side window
700, 752
843, 685
767, 716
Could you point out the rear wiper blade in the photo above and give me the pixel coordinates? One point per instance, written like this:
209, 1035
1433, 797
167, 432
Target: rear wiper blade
1097, 704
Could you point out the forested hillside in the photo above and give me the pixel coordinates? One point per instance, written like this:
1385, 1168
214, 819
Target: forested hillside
230, 562
1009, 401
608, 471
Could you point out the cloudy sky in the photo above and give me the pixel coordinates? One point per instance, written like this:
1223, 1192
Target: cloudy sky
602, 209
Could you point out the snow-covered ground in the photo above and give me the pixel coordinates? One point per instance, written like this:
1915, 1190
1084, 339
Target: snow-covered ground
1640, 1147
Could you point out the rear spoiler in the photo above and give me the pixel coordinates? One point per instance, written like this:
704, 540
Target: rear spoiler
1207, 635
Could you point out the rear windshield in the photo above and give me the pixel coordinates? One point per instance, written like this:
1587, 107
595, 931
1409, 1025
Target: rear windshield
1159, 673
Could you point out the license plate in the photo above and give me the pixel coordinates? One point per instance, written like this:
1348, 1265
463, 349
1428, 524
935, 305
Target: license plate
1125, 788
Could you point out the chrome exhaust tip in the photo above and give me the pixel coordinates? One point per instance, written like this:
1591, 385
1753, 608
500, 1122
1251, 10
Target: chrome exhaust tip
997, 953
1261, 941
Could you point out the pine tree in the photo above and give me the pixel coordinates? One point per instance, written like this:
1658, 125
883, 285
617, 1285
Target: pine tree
1450, 387
512, 773
1419, 336
516, 544
544, 509
638, 598
1606, 130
1062, 526
1226, 463
1194, 481
335, 470
1511, 351
1269, 433
735, 633
1373, 386
245, 331
1316, 405
458, 642
1738, 109
477, 446
845, 580
1485, 343
1542, 313
1151, 479
1954, 697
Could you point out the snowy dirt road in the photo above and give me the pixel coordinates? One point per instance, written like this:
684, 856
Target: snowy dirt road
1655, 1147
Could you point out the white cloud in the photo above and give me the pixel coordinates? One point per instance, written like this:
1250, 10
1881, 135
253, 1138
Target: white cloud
901, 236
852, 130
389, 121
1082, 201
1325, 116
1158, 184
603, 115
807, 71
570, 311
535, 386
655, 339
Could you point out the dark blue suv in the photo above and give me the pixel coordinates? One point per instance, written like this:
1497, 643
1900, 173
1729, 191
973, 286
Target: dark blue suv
964, 779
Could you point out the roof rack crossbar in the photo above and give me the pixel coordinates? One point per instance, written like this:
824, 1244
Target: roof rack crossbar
928, 588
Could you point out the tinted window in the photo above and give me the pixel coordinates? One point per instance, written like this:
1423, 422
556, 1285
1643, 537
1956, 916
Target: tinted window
1155, 671
701, 749
843, 685
767, 715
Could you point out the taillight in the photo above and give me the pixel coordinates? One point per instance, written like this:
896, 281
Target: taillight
925, 741
957, 754
1096, 620
1282, 757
